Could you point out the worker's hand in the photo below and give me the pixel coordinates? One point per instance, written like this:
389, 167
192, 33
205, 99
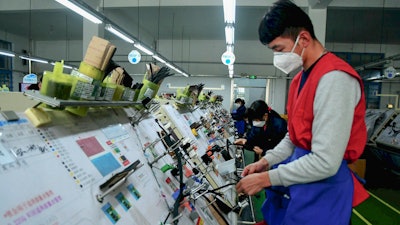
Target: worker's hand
257, 167
240, 141
258, 150
253, 183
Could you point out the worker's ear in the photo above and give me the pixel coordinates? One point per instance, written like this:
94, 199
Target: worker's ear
305, 38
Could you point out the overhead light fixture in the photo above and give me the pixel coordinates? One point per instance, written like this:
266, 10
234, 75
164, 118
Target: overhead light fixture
170, 66
230, 48
230, 35
80, 10
230, 71
158, 58
7, 53
229, 10
178, 70
143, 49
34, 59
229, 19
119, 33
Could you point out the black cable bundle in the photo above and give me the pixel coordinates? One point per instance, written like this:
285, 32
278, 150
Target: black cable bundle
137, 86
200, 87
127, 81
156, 75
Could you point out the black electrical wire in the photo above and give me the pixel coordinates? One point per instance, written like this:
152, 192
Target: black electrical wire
178, 200
216, 209
214, 191
167, 218
181, 186
226, 185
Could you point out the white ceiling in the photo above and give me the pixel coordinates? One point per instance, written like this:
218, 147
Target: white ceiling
356, 21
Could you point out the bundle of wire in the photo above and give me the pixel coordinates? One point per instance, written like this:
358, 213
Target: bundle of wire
125, 79
155, 74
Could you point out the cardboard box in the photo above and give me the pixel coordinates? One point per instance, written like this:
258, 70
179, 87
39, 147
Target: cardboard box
359, 167
98, 53
108, 57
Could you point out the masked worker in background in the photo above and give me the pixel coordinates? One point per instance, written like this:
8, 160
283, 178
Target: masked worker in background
237, 115
267, 130
326, 128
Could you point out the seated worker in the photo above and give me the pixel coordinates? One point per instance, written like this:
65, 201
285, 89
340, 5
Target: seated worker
237, 115
267, 130
36, 86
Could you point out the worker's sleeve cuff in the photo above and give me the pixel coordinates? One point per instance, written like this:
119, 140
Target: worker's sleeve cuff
274, 178
271, 159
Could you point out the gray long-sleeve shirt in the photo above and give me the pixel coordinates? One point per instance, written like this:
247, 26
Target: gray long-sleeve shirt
336, 97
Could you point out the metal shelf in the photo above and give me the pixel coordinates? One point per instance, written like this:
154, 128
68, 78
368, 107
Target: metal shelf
62, 103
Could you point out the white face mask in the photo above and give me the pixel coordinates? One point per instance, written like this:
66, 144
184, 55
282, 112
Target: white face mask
288, 61
237, 105
259, 123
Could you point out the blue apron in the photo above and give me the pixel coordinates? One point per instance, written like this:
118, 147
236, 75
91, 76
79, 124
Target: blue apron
327, 202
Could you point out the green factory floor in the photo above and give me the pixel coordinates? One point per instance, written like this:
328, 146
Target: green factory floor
381, 208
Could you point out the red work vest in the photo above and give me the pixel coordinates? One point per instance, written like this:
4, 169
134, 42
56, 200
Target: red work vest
300, 114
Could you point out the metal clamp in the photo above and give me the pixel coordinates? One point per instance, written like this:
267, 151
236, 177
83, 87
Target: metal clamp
117, 180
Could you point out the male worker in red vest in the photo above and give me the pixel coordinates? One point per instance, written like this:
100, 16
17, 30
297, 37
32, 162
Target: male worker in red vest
306, 174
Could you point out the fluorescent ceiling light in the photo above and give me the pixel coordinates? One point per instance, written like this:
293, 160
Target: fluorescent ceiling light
229, 10
158, 58
170, 66
80, 11
118, 33
143, 49
34, 59
7, 53
230, 35
178, 70
231, 73
230, 48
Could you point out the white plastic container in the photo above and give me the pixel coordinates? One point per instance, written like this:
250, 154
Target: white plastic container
226, 167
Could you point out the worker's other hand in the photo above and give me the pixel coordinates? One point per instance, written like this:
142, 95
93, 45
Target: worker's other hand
240, 141
258, 150
253, 183
257, 167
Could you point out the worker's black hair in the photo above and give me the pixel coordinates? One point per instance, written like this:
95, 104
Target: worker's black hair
36, 86
257, 110
284, 19
239, 100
